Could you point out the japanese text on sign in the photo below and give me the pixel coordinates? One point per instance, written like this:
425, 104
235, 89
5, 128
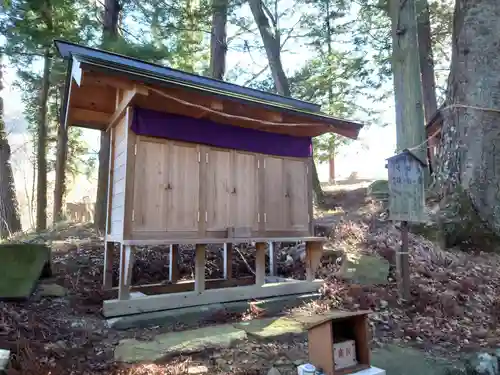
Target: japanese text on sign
406, 189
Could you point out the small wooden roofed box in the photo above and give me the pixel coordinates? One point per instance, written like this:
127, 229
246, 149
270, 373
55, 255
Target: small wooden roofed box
331, 337
196, 161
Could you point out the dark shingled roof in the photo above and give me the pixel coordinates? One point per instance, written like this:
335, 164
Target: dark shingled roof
157, 74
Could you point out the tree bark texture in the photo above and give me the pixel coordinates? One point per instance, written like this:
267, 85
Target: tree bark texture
10, 221
110, 32
469, 168
60, 182
426, 60
410, 129
272, 46
428, 77
218, 39
41, 198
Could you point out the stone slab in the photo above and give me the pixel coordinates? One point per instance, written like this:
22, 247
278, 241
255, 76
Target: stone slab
191, 316
400, 360
365, 269
271, 328
175, 343
51, 290
370, 371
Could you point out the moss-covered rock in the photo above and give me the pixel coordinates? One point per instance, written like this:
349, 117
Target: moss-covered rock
461, 226
379, 189
430, 230
364, 269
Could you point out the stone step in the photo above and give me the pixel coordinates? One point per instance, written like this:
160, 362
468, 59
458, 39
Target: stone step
191, 316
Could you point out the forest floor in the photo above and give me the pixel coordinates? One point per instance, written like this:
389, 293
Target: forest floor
454, 308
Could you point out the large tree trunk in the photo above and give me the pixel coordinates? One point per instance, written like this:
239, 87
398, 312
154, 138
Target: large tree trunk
271, 45
426, 60
218, 46
110, 33
469, 169
60, 182
427, 70
41, 198
10, 221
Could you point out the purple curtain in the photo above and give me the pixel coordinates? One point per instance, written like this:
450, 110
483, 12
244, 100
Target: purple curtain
182, 128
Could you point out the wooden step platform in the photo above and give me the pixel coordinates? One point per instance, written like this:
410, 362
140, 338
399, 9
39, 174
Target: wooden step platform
175, 294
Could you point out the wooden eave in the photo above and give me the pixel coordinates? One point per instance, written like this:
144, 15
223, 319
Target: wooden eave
435, 123
97, 96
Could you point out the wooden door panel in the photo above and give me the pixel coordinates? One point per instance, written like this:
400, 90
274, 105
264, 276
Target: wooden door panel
297, 194
245, 193
183, 187
274, 194
150, 197
218, 189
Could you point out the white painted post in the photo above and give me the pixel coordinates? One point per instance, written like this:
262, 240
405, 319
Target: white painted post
272, 260
224, 260
171, 262
126, 265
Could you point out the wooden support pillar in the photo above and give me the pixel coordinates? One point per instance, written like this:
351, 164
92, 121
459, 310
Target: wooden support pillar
314, 251
273, 266
107, 282
173, 271
228, 261
260, 263
126, 265
199, 269
403, 264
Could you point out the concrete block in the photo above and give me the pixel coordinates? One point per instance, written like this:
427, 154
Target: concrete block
190, 316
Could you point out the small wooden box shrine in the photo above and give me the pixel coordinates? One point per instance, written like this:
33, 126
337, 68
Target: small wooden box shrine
197, 161
332, 338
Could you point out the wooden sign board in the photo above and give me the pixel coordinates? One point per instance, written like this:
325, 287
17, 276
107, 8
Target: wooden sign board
406, 188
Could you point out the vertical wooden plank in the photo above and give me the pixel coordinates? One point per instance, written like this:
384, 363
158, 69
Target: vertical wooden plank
273, 266
320, 345
129, 177
296, 195
219, 189
275, 215
110, 179
309, 173
362, 334
202, 191
126, 265
244, 191
184, 192
260, 263
261, 192
314, 251
108, 265
173, 272
228, 261
151, 184
199, 269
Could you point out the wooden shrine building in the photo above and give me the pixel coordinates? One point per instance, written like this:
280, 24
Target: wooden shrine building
197, 161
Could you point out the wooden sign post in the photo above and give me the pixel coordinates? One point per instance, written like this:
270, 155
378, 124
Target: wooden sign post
406, 204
